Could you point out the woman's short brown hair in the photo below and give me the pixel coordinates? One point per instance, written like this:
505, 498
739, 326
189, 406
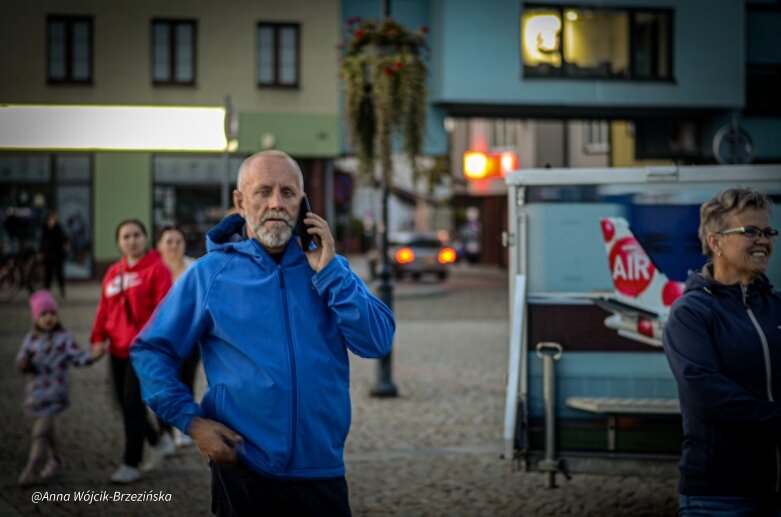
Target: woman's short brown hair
170, 228
714, 212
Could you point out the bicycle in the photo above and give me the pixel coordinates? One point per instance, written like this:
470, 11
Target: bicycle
21, 269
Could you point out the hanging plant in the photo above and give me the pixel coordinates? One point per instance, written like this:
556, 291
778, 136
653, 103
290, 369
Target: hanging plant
385, 91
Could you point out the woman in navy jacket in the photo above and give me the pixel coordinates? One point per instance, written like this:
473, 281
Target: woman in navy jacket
723, 343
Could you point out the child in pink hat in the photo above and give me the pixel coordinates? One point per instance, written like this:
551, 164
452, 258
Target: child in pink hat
46, 353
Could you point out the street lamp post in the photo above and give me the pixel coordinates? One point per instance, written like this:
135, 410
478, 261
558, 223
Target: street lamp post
385, 386
231, 129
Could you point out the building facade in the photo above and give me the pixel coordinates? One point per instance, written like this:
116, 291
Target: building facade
599, 84
582, 84
275, 62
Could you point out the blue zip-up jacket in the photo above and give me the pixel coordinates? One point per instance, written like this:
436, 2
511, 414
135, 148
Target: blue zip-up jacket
723, 343
274, 341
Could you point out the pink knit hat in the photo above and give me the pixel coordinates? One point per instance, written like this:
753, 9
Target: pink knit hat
42, 301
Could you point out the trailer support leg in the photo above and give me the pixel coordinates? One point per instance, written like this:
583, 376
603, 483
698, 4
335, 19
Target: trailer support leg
549, 353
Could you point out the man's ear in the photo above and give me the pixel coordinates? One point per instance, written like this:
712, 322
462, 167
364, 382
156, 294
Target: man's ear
238, 201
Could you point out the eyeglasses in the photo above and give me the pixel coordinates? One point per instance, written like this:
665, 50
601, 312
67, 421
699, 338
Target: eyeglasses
752, 232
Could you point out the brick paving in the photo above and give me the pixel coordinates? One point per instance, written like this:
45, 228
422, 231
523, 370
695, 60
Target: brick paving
435, 450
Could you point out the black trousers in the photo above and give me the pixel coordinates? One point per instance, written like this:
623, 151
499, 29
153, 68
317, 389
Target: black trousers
54, 269
134, 415
239, 491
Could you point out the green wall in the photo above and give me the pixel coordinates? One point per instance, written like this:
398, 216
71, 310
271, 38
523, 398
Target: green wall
123, 189
301, 135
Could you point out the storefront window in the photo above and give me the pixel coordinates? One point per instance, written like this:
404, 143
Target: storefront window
33, 184
188, 194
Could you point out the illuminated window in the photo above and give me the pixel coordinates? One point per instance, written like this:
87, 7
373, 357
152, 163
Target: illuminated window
173, 52
278, 55
579, 42
69, 49
541, 38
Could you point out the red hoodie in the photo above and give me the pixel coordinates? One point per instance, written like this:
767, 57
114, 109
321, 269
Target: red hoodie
143, 286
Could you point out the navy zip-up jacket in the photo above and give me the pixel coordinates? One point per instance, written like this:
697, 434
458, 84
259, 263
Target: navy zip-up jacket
723, 343
274, 341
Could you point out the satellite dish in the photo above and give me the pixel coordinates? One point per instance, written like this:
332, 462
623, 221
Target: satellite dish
732, 144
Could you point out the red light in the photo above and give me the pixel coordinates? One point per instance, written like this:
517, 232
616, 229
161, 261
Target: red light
645, 327
446, 256
476, 165
479, 165
509, 161
405, 256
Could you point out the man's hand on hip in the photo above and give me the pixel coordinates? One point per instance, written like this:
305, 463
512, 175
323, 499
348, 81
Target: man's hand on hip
215, 441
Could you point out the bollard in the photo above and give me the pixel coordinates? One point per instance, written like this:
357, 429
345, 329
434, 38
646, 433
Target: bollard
549, 352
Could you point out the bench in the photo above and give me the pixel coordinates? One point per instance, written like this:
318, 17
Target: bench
612, 407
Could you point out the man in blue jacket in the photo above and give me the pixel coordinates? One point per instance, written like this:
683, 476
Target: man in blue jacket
274, 323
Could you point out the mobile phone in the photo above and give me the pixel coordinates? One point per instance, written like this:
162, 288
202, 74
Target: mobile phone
306, 239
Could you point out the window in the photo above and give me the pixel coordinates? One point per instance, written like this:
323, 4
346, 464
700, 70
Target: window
596, 136
173, 52
187, 192
503, 133
668, 139
763, 82
278, 55
585, 42
69, 49
651, 45
59, 181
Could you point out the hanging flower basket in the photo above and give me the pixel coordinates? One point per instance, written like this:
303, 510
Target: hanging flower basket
385, 91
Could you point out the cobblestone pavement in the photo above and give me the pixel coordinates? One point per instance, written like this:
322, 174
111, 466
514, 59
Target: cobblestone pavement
434, 450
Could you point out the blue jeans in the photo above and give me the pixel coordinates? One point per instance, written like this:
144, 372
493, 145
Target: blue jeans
727, 506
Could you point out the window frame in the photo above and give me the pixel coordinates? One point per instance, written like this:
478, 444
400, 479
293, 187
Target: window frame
596, 136
277, 29
69, 21
631, 13
759, 100
172, 23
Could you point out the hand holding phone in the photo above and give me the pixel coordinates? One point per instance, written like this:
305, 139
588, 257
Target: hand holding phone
301, 228
325, 249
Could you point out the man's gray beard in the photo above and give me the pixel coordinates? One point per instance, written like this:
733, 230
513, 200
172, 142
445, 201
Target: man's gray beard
276, 238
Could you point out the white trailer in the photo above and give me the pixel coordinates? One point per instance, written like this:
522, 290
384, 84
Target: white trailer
558, 265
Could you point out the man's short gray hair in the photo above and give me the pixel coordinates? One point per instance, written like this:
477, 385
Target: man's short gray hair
272, 153
714, 212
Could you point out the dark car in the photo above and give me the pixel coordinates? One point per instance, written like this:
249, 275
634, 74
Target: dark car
415, 254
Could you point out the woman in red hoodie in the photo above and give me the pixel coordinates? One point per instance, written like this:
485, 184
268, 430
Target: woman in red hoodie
131, 290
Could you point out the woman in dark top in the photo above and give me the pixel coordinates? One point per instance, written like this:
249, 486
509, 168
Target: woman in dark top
723, 343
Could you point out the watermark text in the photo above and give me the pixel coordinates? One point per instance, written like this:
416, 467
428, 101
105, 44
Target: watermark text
101, 496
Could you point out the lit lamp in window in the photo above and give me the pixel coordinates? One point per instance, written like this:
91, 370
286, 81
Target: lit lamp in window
541, 38
547, 40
